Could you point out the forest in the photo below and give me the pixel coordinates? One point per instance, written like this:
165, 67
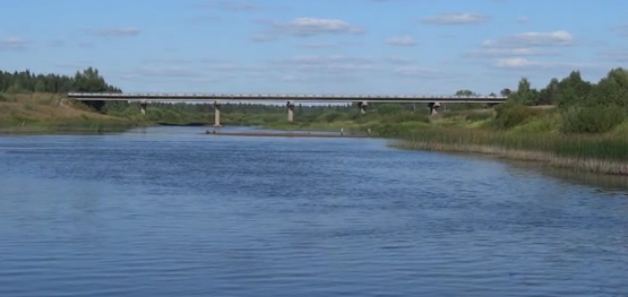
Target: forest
88, 80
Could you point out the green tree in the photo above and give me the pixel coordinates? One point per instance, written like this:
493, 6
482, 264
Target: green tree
525, 94
466, 93
15, 88
573, 90
88, 80
551, 94
613, 89
40, 86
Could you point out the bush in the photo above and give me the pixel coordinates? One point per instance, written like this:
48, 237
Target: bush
331, 117
403, 117
171, 117
391, 130
385, 109
592, 118
453, 114
513, 114
478, 116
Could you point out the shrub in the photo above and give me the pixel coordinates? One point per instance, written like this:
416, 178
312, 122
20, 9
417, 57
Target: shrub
403, 117
391, 130
388, 109
592, 118
512, 114
453, 114
478, 116
332, 116
6, 99
171, 116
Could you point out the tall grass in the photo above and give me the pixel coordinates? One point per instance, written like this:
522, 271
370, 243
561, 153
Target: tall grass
599, 153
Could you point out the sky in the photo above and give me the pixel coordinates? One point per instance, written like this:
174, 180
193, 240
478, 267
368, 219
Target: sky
405, 47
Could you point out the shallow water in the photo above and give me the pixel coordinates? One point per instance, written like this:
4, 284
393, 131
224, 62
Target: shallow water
171, 212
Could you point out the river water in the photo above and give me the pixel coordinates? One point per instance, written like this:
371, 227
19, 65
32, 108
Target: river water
172, 212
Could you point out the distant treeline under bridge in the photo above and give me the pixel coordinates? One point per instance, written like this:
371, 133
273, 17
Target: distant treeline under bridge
362, 101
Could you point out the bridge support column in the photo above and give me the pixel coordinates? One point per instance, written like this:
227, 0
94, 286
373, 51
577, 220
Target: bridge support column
290, 106
143, 105
363, 106
434, 108
217, 107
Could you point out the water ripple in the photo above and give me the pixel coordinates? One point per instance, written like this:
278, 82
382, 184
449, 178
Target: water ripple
172, 213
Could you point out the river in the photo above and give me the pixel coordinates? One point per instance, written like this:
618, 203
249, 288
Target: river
171, 212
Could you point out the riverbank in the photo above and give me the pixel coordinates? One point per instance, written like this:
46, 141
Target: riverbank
538, 138
585, 164
54, 114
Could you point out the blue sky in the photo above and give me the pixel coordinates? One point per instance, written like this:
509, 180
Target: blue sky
431, 47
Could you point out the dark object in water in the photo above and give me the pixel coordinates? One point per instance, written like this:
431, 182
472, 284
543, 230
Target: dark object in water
183, 125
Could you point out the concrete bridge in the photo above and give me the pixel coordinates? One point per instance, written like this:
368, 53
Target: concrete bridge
434, 102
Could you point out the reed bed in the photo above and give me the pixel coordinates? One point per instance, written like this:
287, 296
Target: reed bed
606, 154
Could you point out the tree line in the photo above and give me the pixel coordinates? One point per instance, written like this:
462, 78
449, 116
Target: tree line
574, 91
88, 80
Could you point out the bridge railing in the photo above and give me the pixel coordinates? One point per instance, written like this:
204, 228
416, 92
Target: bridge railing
269, 96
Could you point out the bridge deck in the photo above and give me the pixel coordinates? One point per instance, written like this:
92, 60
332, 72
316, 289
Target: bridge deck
283, 97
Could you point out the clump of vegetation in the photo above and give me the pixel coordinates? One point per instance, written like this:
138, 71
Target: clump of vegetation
4, 98
478, 116
599, 118
513, 114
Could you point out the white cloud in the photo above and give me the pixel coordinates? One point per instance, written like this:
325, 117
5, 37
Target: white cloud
318, 45
116, 32
86, 45
617, 56
306, 27
623, 30
533, 39
518, 51
520, 63
399, 60
161, 72
515, 63
456, 18
230, 5
331, 63
402, 41
13, 44
419, 72
262, 37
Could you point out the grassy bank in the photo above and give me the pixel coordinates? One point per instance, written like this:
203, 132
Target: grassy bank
600, 154
48, 113
384, 122
539, 135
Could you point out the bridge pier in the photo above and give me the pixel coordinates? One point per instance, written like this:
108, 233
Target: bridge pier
363, 106
434, 108
290, 106
217, 107
143, 106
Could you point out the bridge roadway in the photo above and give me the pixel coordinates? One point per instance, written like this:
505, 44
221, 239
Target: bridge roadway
361, 100
289, 97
